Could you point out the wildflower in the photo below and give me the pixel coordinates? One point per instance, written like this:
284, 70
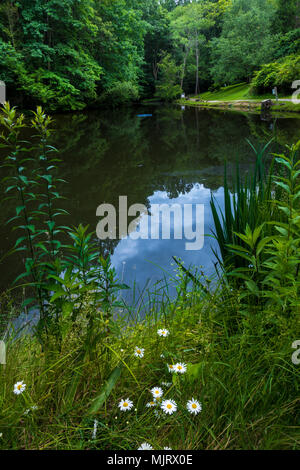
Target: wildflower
157, 392
171, 367
193, 406
125, 405
180, 367
167, 448
145, 446
151, 404
139, 352
95, 429
169, 406
163, 332
19, 387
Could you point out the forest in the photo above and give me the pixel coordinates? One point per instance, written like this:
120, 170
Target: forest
71, 54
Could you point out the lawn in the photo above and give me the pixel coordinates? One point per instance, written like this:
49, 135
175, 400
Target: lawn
240, 91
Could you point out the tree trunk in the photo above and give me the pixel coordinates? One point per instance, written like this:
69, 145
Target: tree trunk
11, 13
155, 69
197, 91
187, 50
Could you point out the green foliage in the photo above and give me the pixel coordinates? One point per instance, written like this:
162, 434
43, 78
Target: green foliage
120, 94
286, 17
288, 44
168, 88
67, 55
246, 41
272, 271
244, 210
60, 278
238, 367
281, 74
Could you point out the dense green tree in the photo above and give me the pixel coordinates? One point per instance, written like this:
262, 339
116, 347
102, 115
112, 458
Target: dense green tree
287, 16
167, 88
157, 39
190, 25
119, 41
246, 41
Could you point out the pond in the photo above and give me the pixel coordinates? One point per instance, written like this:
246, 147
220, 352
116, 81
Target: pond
174, 155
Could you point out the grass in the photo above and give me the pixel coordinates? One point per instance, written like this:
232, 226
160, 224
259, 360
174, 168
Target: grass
238, 366
240, 91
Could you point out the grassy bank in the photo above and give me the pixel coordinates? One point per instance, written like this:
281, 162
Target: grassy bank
239, 97
238, 367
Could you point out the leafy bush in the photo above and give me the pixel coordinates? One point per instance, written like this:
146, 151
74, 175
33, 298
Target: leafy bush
288, 44
168, 88
120, 93
280, 74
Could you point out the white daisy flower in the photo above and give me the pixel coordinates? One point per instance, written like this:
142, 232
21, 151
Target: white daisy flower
145, 446
125, 405
151, 404
171, 367
139, 352
19, 387
157, 392
194, 406
169, 406
180, 368
163, 332
167, 448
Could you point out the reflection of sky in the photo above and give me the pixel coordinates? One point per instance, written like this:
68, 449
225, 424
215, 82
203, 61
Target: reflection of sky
145, 260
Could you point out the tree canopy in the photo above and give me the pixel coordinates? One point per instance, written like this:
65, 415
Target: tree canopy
69, 54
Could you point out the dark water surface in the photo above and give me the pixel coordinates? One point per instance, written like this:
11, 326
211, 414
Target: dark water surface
175, 156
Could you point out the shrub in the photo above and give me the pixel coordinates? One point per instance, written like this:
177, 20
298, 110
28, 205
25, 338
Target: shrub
119, 94
281, 74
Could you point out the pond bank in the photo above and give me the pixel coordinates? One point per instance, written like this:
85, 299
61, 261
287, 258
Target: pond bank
250, 106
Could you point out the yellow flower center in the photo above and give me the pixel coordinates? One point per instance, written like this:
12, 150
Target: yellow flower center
157, 392
179, 367
194, 405
169, 406
138, 351
19, 386
125, 403
171, 367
